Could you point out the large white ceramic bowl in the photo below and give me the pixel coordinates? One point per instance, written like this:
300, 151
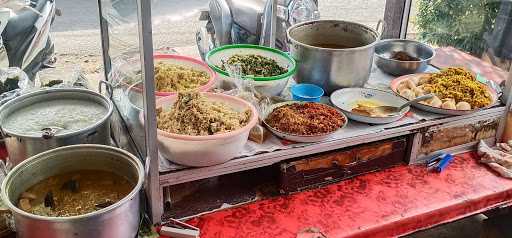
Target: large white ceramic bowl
198, 151
347, 98
269, 86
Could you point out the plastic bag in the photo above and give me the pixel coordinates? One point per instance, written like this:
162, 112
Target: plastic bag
243, 88
62, 78
126, 70
4, 61
14, 78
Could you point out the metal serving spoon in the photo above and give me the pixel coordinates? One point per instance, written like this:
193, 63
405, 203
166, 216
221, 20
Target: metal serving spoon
391, 110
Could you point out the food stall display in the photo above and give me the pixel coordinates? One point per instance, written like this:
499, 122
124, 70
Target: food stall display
321, 113
313, 111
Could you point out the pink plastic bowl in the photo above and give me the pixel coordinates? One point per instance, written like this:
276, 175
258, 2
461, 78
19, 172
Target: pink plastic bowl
186, 62
209, 150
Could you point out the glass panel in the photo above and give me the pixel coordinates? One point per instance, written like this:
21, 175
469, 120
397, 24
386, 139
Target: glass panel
192, 28
125, 75
481, 28
366, 12
207, 24
175, 24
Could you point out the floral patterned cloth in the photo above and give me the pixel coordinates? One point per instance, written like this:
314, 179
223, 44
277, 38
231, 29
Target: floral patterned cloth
389, 203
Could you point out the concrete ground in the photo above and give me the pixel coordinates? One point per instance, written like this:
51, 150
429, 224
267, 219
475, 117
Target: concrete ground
77, 40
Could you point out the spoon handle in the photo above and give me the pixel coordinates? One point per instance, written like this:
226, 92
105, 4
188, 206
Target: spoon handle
418, 99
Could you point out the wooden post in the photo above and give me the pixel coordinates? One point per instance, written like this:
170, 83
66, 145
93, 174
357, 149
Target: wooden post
505, 129
393, 17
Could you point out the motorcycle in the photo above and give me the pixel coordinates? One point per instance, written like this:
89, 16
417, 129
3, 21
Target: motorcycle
25, 34
261, 22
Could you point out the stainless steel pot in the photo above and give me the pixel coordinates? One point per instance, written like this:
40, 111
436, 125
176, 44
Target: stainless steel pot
133, 104
118, 220
333, 54
20, 147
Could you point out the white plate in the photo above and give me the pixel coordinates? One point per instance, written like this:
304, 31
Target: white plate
346, 99
299, 138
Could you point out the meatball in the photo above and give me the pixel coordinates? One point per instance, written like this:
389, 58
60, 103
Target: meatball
435, 102
449, 103
407, 93
463, 106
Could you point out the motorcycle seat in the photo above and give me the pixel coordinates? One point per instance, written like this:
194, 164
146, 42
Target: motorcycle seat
23, 22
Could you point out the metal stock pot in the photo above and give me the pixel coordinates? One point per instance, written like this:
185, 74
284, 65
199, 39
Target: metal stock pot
20, 147
333, 54
118, 220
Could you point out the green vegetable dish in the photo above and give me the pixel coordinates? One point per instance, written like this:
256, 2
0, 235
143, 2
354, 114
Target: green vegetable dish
255, 65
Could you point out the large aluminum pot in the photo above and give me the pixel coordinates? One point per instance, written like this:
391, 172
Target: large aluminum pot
333, 54
20, 147
119, 220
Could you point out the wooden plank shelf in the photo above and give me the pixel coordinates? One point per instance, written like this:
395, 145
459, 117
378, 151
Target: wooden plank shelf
266, 159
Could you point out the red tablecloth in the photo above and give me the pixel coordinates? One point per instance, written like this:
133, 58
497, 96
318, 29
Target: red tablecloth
393, 202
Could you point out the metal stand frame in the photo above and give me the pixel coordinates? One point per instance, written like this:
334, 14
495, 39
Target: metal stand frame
146, 59
152, 185
155, 182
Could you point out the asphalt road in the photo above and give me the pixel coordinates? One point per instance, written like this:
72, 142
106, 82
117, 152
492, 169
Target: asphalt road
174, 22
76, 32
77, 37
78, 15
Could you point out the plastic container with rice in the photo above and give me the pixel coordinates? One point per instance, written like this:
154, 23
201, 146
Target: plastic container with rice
193, 134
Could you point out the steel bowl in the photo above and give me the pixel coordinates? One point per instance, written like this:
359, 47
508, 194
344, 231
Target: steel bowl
385, 49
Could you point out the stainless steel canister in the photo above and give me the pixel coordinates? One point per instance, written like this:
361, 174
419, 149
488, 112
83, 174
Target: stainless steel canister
133, 104
333, 54
119, 220
20, 147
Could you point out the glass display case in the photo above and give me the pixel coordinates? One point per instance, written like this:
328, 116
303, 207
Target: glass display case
137, 33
